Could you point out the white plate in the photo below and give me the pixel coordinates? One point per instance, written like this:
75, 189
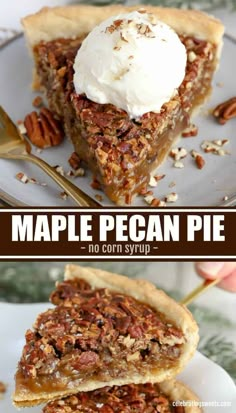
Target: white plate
208, 380
206, 187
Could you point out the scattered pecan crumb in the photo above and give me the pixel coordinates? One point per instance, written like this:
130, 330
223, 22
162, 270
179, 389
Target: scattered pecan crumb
221, 142
152, 182
70, 173
99, 197
194, 153
225, 111
178, 153
22, 177
34, 181
79, 172
60, 170
37, 102
159, 177
148, 199
200, 162
43, 129
3, 387
155, 202
172, 197
74, 161
178, 164
162, 203
95, 184
63, 195
215, 148
191, 131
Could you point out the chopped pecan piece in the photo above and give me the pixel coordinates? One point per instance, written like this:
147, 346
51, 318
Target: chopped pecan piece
22, 177
43, 129
192, 130
37, 102
225, 111
74, 161
172, 197
3, 387
95, 184
200, 162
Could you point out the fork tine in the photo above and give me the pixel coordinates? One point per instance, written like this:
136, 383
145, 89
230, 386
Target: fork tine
7, 124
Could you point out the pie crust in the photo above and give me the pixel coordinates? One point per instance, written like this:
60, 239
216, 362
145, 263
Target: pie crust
174, 390
144, 292
74, 21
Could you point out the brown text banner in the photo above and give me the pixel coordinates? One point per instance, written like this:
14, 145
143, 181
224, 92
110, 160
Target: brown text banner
124, 233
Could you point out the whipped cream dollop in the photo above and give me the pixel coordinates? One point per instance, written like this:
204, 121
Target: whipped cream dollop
133, 61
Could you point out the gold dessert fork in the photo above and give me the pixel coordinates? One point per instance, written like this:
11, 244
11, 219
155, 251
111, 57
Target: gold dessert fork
204, 286
13, 145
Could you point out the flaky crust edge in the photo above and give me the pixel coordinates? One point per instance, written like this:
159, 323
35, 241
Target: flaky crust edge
145, 292
72, 21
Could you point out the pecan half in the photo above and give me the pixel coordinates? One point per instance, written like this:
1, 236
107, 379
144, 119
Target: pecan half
43, 129
225, 111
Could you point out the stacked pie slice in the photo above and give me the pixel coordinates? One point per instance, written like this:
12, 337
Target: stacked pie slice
104, 339
121, 151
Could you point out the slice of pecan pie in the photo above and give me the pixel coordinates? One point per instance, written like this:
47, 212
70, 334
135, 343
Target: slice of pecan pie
104, 330
139, 398
102, 107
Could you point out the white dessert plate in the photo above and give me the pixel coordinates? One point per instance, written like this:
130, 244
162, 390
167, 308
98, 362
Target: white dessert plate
206, 187
208, 380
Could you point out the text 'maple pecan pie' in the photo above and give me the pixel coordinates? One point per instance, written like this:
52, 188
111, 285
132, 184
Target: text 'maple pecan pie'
138, 398
129, 90
104, 330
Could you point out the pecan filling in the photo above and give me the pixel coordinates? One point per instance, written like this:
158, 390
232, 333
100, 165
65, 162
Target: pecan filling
95, 335
142, 398
121, 152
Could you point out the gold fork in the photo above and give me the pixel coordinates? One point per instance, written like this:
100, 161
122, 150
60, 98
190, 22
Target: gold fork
13, 145
204, 286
